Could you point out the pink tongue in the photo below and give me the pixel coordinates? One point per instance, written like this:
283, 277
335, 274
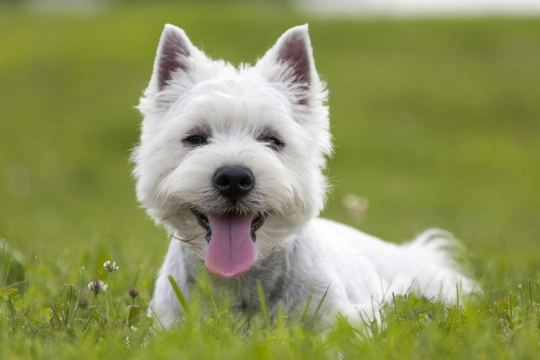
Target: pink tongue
231, 251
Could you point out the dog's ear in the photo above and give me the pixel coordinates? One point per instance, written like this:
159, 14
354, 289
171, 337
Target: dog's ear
176, 61
290, 61
173, 56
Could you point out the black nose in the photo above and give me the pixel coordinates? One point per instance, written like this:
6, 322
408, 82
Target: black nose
233, 182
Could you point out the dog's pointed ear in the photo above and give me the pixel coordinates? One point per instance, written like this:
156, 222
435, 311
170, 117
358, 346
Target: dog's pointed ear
173, 56
176, 61
290, 61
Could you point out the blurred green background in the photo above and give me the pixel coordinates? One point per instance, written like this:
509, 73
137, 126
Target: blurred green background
435, 122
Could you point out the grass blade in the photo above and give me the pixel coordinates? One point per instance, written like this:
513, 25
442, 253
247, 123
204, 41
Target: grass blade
319, 305
179, 295
262, 300
306, 308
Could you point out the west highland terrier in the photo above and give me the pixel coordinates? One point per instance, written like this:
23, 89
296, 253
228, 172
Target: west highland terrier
231, 161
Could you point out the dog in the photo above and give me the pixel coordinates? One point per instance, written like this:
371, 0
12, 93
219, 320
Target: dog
231, 161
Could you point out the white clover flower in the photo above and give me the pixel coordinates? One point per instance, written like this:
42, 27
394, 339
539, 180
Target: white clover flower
97, 286
356, 206
110, 267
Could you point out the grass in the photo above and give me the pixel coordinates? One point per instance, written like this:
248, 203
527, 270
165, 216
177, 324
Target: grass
435, 122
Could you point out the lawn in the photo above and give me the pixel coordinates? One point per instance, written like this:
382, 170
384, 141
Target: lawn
435, 122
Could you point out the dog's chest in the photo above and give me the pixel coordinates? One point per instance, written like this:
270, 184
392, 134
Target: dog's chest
243, 294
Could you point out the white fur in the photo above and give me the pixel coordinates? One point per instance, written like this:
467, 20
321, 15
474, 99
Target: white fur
298, 253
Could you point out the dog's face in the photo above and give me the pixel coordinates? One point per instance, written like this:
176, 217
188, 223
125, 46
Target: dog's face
231, 159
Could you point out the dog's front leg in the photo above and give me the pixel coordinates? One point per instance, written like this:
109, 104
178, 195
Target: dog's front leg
165, 307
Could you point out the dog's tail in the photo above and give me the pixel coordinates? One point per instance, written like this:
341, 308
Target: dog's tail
431, 267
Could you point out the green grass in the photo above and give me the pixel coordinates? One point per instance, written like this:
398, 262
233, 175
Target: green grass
437, 123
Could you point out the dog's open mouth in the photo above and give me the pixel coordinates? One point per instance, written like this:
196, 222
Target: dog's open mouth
231, 242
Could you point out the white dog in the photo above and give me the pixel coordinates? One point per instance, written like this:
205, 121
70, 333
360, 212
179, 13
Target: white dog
231, 160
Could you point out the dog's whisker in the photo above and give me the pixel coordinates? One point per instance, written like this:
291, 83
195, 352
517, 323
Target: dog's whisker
189, 241
275, 243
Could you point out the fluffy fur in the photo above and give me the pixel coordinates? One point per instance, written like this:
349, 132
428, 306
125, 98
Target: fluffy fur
201, 115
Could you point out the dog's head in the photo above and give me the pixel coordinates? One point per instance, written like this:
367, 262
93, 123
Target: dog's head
231, 159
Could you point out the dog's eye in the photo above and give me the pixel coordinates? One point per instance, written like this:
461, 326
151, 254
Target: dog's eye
273, 143
196, 140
